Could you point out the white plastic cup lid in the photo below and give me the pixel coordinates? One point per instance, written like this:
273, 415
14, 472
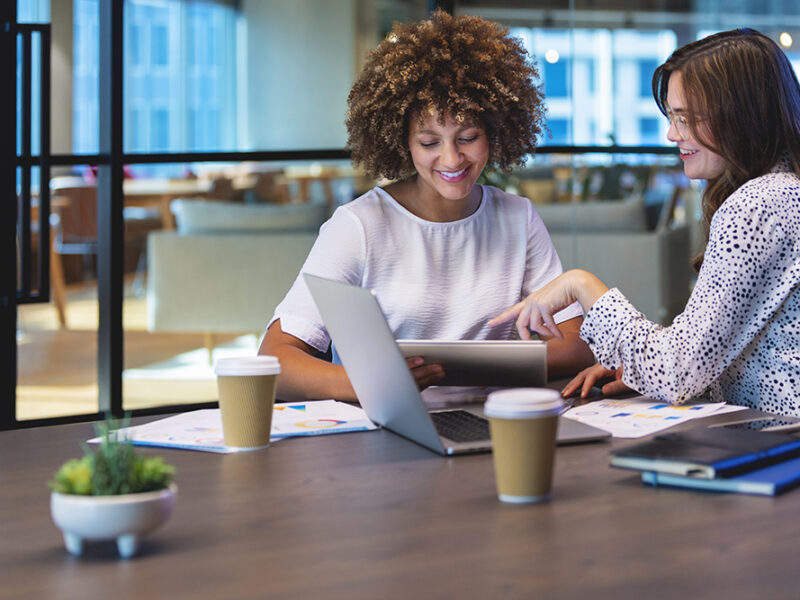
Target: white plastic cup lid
522, 403
248, 365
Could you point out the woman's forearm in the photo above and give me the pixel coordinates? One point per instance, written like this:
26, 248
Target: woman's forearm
586, 287
304, 376
568, 356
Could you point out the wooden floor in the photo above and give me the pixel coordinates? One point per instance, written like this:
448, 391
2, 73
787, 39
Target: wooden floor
57, 368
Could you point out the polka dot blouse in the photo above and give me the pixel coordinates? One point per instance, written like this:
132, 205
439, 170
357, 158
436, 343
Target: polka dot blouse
739, 337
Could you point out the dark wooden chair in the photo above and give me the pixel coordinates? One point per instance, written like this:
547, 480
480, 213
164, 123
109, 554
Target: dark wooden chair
73, 227
74, 232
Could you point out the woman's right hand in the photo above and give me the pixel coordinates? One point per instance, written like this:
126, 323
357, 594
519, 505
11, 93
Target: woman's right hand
423, 373
586, 379
535, 313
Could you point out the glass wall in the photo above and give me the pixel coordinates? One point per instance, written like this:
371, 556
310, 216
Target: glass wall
232, 240
211, 246
597, 83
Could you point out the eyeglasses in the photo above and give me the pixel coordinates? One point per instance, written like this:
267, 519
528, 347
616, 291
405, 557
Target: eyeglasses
680, 122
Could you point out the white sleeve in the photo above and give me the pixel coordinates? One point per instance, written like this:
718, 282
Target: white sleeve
338, 253
543, 264
746, 276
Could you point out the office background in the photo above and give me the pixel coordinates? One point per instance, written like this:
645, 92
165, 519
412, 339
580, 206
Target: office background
154, 114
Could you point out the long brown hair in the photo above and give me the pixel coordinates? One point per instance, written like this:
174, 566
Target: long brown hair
742, 87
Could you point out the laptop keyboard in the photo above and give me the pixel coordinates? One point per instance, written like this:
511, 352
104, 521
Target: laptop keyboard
460, 426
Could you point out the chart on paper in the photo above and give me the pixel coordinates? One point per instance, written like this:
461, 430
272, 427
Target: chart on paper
640, 416
202, 429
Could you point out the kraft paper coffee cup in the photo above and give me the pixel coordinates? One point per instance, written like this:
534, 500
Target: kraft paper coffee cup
523, 424
246, 395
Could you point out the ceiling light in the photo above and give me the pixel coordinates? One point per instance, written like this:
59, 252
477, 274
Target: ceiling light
551, 56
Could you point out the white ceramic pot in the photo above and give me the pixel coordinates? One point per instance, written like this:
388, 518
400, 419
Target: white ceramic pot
126, 517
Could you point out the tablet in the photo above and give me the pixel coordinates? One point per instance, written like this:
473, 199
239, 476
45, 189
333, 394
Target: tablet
774, 423
507, 363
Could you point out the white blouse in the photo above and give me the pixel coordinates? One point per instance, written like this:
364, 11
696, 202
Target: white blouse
739, 337
433, 280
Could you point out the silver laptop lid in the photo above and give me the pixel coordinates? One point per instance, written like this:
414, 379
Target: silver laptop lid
381, 378
373, 362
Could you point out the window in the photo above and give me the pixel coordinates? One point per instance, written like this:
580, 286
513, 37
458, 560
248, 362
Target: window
180, 63
650, 129
135, 134
159, 129
647, 67
160, 45
136, 45
559, 128
85, 107
598, 80
555, 78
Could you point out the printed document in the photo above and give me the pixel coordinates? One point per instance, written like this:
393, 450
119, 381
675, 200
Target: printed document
639, 416
202, 429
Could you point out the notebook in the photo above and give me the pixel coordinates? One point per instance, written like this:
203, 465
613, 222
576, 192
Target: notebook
383, 383
508, 363
708, 452
768, 481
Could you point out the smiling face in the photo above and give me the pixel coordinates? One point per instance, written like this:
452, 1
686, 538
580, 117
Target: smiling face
448, 157
698, 161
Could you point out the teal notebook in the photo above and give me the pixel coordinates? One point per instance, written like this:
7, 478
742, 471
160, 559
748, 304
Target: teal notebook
768, 481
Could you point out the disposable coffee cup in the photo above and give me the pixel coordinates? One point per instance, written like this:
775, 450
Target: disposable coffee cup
523, 424
246, 387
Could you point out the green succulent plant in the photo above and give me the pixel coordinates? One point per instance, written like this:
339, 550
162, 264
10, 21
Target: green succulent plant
112, 468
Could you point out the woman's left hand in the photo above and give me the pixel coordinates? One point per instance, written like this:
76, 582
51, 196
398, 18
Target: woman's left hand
597, 374
424, 374
535, 313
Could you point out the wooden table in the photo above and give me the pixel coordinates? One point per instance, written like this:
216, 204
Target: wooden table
159, 193
146, 193
305, 176
371, 515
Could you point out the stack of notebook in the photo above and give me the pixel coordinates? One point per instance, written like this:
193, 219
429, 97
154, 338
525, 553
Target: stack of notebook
717, 459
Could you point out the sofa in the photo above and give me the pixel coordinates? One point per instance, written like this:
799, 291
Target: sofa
615, 240
227, 265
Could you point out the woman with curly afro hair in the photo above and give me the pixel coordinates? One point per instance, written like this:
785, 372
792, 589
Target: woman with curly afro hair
436, 103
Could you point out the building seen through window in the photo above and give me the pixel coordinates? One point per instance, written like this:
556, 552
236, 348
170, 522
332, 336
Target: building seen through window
182, 93
179, 76
597, 83
188, 67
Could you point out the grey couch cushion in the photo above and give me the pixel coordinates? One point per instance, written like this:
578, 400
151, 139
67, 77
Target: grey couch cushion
597, 217
211, 216
220, 282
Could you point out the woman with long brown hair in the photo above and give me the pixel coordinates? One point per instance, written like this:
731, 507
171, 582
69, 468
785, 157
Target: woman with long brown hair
733, 103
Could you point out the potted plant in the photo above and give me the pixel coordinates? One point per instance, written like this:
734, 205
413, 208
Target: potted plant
111, 493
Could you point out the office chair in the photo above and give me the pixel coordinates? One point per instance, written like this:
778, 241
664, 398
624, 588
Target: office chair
73, 223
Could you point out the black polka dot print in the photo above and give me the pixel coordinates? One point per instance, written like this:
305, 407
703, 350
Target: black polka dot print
738, 339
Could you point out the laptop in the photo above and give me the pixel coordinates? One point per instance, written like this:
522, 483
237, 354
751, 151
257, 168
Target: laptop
384, 385
502, 363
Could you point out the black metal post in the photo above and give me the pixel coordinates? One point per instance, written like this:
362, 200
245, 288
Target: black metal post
25, 152
8, 215
110, 230
44, 164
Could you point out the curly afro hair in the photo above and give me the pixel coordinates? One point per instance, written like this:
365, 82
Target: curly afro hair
466, 67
